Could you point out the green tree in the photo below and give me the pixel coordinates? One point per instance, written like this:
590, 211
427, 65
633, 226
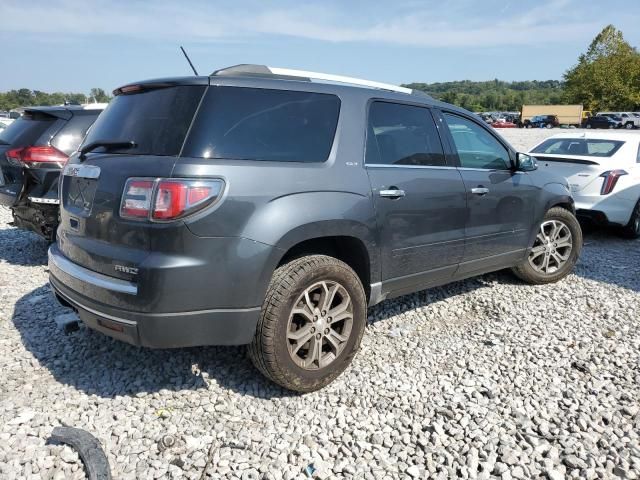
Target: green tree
99, 95
607, 76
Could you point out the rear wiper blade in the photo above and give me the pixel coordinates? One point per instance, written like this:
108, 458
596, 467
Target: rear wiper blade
108, 144
2, 142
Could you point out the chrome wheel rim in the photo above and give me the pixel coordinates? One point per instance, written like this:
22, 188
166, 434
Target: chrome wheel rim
552, 248
319, 325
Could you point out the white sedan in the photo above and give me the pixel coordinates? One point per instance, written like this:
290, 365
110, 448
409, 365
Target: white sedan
603, 170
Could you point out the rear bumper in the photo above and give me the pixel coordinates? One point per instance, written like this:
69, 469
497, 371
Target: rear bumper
611, 209
228, 326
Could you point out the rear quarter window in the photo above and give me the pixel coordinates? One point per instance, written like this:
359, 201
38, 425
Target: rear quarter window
238, 123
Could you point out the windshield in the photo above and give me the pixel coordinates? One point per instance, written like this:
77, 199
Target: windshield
156, 120
579, 146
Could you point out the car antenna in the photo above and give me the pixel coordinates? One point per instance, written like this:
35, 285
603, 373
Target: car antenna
189, 60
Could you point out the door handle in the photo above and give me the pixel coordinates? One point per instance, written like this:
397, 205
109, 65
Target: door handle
480, 190
392, 193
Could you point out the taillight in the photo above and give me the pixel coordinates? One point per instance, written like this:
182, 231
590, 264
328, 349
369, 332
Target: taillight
136, 199
37, 157
167, 199
610, 180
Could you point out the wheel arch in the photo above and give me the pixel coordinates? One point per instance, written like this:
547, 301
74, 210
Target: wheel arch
347, 248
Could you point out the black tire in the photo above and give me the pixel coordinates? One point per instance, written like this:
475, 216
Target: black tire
269, 350
629, 126
588, 125
526, 272
632, 229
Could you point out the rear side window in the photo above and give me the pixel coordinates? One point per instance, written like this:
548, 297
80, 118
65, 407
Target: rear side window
69, 137
577, 146
156, 120
27, 129
400, 134
262, 124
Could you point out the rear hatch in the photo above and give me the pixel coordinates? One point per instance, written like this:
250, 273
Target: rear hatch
30, 129
582, 161
156, 118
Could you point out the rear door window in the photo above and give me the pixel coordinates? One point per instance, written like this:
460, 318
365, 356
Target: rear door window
402, 135
156, 120
262, 124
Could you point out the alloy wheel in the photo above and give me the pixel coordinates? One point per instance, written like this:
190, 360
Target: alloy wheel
320, 325
552, 247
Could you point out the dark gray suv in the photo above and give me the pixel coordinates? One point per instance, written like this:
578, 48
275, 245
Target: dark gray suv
258, 206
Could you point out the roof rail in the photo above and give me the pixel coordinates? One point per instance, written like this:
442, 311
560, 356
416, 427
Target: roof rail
263, 70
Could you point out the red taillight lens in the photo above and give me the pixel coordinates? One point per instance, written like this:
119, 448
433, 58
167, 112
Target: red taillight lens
171, 200
610, 180
136, 199
167, 199
37, 157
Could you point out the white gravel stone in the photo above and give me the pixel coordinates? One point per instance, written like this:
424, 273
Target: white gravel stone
485, 378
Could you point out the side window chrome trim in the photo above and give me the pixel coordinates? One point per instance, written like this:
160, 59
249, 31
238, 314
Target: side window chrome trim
473, 169
431, 167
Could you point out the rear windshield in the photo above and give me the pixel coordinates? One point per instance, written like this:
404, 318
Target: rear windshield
69, 137
27, 129
263, 124
156, 120
579, 146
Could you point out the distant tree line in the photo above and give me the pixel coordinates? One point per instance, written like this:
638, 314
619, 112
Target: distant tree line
494, 95
606, 77
25, 97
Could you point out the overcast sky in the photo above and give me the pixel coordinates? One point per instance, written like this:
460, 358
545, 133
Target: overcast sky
73, 45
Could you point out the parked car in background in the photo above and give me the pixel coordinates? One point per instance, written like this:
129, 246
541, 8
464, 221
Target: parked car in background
3, 124
270, 210
627, 119
601, 121
603, 170
503, 123
542, 121
33, 150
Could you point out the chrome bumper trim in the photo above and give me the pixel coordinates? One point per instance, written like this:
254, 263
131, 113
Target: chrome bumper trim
89, 276
50, 201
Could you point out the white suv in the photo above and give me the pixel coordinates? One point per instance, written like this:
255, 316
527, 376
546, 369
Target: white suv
629, 119
603, 170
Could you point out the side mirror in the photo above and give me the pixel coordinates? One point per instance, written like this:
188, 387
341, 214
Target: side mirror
526, 163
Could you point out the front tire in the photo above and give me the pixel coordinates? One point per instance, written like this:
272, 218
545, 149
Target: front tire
632, 229
555, 251
311, 324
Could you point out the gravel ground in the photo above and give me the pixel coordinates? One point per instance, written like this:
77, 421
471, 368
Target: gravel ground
486, 378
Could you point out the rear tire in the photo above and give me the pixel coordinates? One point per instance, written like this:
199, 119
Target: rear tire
555, 251
632, 229
629, 126
298, 344
588, 125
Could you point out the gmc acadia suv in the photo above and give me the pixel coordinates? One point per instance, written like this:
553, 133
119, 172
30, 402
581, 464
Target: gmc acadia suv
266, 207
